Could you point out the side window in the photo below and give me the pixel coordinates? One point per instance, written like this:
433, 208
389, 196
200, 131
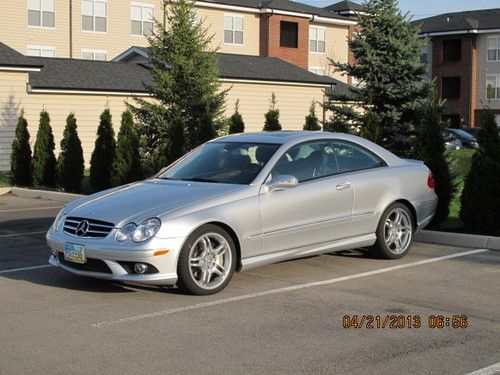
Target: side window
352, 157
308, 161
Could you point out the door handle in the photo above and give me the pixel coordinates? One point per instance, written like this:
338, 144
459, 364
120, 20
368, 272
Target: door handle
344, 186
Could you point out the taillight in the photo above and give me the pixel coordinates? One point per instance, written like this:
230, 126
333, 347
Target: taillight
431, 183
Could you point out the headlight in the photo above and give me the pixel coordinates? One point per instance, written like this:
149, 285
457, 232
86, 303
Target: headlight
139, 233
58, 221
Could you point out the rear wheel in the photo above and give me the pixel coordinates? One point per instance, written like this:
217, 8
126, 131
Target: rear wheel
394, 232
207, 261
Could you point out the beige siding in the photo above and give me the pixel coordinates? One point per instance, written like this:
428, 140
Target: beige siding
293, 103
214, 21
14, 30
336, 49
485, 68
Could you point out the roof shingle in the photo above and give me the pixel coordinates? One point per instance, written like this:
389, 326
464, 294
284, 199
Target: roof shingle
482, 19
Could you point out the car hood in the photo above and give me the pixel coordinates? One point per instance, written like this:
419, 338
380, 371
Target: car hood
150, 198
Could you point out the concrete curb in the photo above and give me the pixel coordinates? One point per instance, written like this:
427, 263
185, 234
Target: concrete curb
45, 194
459, 239
5, 190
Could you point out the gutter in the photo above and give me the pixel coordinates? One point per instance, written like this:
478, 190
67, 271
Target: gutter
457, 32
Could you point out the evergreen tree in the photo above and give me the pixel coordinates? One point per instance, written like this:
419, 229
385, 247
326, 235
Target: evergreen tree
480, 210
340, 122
205, 129
429, 147
312, 122
20, 158
127, 163
236, 124
101, 161
175, 137
387, 65
44, 161
184, 68
70, 164
370, 128
272, 116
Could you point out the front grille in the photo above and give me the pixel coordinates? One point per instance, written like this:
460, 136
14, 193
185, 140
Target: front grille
91, 265
94, 229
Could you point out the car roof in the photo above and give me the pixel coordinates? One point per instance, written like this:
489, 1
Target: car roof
278, 137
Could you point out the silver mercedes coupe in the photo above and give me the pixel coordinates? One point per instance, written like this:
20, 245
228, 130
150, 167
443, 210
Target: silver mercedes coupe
243, 201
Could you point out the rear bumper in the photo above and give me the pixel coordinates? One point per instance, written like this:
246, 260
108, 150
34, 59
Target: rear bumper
425, 208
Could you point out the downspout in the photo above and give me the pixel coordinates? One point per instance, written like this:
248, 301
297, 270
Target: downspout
70, 29
165, 4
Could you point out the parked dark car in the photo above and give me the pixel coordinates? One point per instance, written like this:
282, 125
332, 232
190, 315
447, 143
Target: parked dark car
451, 142
467, 139
475, 131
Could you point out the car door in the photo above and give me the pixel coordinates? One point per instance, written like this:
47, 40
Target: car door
317, 210
370, 182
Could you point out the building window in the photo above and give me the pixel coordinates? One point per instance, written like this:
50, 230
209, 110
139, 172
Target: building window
317, 39
94, 54
319, 71
493, 49
142, 19
41, 51
94, 13
493, 87
451, 88
233, 29
289, 34
452, 50
424, 55
41, 13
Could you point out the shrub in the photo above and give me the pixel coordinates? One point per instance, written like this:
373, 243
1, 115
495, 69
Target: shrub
312, 121
480, 210
20, 158
127, 163
429, 147
236, 124
272, 116
176, 139
70, 162
44, 161
101, 162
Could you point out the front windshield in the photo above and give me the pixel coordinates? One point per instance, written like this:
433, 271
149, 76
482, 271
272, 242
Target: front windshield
223, 162
463, 134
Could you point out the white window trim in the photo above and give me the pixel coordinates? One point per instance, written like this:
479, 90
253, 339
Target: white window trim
316, 68
488, 49
142, 5
316, 52
234, 15
41, 47
41, 27
497, 85
94, 51
93, 31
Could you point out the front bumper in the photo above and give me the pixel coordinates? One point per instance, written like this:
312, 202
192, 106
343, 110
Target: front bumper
115, 259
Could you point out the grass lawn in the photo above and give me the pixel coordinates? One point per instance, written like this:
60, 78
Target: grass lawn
4, 179
461, 166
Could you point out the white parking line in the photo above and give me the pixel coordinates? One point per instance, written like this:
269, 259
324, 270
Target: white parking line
490, 370
280, 290
12, 270
30, 209
22, 234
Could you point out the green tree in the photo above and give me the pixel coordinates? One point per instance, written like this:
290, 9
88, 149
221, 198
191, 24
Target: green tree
44, 161
429, 147
20, 158
70, 164
312, 121
236, 124
387, 65
272, 116
184, 69
480, 210
127, 163
370, 128
103, 156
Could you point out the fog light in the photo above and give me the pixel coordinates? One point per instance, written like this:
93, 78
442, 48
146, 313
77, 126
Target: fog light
140, 268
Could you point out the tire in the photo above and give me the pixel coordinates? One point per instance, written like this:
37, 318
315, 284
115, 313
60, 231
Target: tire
394, 232
207, 261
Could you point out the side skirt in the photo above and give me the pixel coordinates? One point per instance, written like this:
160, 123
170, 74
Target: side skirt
322, 248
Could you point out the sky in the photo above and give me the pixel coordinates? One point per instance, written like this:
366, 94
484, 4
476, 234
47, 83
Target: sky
426, 8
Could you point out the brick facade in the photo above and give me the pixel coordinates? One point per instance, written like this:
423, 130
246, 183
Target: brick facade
270, 40
466, 69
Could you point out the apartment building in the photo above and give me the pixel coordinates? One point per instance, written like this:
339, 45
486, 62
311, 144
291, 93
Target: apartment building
463, 56
84, 55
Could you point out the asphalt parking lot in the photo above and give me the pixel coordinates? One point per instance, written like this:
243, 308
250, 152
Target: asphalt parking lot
283, 318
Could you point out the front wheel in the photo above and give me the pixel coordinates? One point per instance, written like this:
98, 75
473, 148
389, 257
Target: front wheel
394, 232
207, 261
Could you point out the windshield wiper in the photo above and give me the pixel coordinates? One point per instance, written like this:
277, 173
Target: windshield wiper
200, 179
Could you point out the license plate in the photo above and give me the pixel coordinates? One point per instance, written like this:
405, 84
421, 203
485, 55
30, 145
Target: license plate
74, 253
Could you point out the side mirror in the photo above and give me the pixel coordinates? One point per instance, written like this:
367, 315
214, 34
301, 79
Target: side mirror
282, 182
